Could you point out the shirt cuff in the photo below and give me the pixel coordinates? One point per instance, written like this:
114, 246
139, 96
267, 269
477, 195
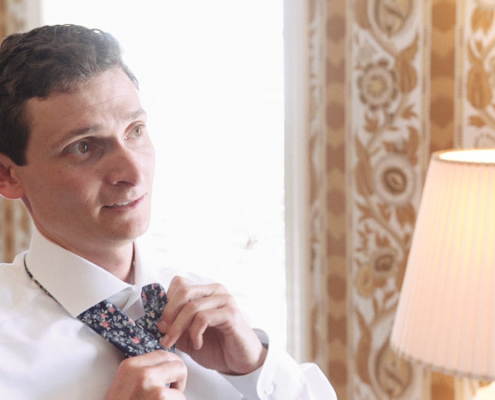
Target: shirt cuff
265, 382
247, 384
282, 378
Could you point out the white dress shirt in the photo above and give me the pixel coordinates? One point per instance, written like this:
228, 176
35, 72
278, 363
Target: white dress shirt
47, 353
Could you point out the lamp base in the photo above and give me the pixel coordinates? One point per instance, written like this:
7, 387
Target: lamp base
485, 393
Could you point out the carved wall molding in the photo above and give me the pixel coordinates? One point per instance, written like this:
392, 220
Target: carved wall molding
318, 174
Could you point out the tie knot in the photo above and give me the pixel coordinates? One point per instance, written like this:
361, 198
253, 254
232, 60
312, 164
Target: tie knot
132, 338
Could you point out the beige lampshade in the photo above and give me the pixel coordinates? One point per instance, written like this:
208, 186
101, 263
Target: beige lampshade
446, 313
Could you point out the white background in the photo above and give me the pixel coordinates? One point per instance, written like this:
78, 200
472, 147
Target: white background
211, 80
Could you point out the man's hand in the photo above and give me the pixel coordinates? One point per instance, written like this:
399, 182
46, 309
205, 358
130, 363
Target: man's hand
145, 377
204, 322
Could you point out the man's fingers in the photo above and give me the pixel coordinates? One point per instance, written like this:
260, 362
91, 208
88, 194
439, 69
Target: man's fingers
196, 316
205, 322
182, 292
213, 318
164, 394
150, 359
172, 372
154, 370
185, 289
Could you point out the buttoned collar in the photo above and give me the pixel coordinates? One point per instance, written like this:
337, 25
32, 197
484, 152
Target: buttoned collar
78, 284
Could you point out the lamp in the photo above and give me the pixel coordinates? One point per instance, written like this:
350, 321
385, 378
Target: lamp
446, 313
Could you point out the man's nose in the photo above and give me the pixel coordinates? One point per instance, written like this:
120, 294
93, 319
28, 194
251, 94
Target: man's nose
125, 167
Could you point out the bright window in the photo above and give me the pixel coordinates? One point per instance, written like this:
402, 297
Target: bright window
211, 80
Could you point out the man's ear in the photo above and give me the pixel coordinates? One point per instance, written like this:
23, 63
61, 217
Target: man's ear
10, 187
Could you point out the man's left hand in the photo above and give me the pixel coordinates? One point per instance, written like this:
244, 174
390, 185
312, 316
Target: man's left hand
205, 322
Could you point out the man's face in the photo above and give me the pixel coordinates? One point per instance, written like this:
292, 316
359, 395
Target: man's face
90, 164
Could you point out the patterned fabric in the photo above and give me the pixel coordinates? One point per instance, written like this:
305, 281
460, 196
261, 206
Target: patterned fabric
131, 337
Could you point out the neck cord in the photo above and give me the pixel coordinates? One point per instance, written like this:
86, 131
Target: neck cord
35, 281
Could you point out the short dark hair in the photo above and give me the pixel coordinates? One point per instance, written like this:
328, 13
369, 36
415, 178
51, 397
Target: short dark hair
47, 60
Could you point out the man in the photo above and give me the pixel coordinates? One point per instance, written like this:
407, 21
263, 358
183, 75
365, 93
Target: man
75, 148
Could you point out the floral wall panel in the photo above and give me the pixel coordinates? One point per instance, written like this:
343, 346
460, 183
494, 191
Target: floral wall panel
417, 78
388, 146
14, 220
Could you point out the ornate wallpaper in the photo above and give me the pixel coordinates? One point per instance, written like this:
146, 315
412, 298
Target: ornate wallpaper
388, 135
403, 78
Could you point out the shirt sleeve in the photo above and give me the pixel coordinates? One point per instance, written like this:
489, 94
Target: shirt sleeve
282, 378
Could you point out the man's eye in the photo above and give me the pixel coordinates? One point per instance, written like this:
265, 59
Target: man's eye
80, 148
136, 132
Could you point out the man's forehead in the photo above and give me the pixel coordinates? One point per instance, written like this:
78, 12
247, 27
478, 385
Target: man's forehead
109, 95
110, 84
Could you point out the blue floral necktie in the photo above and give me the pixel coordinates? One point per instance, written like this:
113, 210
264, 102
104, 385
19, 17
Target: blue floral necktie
131, 337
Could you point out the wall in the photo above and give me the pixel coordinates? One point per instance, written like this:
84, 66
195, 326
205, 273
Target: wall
401, 79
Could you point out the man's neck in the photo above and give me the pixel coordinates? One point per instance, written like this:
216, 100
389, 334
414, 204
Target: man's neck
118, 261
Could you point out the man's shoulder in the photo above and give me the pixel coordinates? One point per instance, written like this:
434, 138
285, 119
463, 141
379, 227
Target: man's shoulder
16, 291
12, 273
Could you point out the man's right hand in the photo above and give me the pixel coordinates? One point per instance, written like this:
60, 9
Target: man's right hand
146, 376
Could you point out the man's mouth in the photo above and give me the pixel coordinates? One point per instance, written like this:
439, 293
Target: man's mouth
125, 203
120, 204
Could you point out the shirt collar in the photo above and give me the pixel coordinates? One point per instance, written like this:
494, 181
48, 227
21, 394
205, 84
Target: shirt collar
77, 284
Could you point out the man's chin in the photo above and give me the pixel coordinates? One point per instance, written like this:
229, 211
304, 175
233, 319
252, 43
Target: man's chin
129, 233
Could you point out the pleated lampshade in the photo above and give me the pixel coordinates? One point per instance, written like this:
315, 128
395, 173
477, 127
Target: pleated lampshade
446, 313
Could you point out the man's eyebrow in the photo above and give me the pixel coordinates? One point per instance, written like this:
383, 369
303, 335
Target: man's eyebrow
135, 114
74, 133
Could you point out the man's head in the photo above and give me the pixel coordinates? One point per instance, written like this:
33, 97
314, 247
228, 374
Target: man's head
43, 61
74, 141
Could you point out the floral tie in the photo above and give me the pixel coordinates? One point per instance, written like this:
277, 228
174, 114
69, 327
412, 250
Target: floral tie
133, 338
